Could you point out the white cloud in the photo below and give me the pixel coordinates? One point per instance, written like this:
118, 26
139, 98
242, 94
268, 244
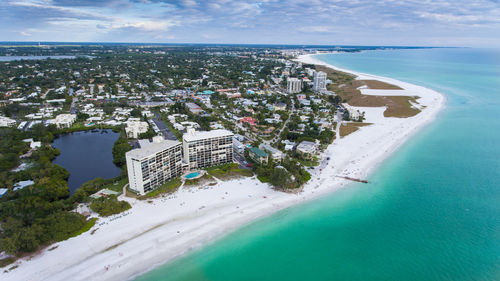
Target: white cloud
146, 25
255, 21
318, 29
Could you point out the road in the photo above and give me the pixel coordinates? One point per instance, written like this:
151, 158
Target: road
277, 136
167, 134
72, 109
339, 123
241, 161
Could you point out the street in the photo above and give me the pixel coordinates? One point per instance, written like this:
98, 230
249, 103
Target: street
167, 134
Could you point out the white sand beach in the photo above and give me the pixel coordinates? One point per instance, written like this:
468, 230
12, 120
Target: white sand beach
151, 234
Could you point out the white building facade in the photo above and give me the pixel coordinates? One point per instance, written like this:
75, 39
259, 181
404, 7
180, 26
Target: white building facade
150, 166
319, 82
293, 85
63, 120
135, 128
7, 122
207, 148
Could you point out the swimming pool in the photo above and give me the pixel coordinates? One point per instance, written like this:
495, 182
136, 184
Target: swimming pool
192, 175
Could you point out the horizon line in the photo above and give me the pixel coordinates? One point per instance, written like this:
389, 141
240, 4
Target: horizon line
236, 44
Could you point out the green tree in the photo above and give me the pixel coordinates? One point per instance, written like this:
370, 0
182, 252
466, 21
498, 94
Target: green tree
281, 178
107, 206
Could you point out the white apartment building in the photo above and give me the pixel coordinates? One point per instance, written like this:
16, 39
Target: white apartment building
307, 148
153, 164
293, 85
135, 128
63, 120
319, 82
207, 148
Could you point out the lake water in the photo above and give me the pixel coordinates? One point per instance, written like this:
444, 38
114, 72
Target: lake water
430, 212
16, 58
87, 155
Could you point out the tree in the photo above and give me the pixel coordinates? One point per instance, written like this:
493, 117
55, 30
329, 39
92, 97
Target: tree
107, 206
54, 188
136, 112
281, 178
120, 147
82, 116
8, 245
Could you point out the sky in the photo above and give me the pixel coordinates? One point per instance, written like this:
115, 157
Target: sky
474, 23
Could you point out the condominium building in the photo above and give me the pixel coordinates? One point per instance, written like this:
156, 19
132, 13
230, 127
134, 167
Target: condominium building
135, 128
63, 120
207, 148
319, 82
307, 148
293, 85
153, 164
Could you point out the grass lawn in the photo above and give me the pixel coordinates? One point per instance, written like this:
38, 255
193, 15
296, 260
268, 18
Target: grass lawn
263, 179
117, 185
351, 127
166, 188
228, 171
346, 87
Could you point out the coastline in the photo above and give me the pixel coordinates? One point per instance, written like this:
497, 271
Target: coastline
133, 244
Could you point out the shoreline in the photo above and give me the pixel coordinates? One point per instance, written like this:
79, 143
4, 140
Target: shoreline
153, 234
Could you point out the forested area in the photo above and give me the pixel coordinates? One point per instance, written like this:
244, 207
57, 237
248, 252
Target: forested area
40, 214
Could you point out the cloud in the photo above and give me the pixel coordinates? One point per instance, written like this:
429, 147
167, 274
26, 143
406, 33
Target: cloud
475, 19
146, 25
24, 33
317, 29
253, 21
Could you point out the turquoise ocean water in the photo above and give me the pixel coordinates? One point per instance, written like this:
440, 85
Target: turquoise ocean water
431, 211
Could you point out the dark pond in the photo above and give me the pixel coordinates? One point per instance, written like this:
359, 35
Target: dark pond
87, 155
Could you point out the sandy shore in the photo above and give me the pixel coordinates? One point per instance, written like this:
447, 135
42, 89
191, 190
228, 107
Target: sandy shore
151, 234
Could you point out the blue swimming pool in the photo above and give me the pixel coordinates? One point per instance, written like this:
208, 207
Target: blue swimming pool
192, 175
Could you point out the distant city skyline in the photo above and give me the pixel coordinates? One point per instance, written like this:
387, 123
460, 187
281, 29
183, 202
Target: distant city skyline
313, 22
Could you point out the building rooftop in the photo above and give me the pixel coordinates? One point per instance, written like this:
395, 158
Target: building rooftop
151, 148
200, 135
269, 148
192, 105
104, 192
307, 146
22, 184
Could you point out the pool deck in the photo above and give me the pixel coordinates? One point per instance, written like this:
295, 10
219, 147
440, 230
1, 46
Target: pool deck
200, 173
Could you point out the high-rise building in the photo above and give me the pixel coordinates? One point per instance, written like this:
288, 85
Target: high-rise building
207, 148
293, 85
154, 164
319, 82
